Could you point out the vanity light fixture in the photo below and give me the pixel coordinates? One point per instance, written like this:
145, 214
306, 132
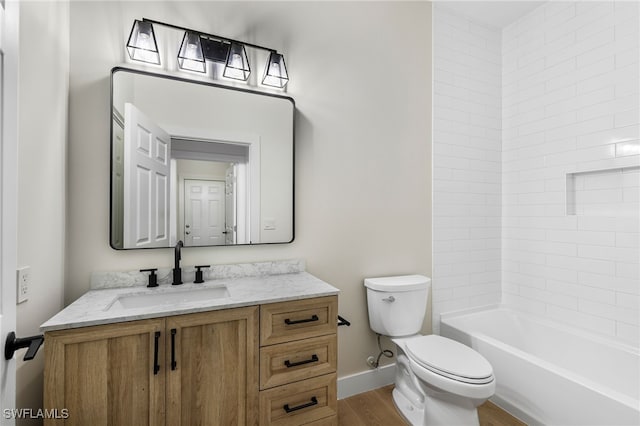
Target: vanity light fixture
197, 48
215, 50
276, 73
191, 56
237, 64
142, 43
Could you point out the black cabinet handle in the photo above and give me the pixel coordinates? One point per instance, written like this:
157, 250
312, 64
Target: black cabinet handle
174, 364
313, 318
289, 364
156, 366
314, 401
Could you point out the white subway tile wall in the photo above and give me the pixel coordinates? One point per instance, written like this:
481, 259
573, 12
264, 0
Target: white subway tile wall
466, 163
537, 165
571, 175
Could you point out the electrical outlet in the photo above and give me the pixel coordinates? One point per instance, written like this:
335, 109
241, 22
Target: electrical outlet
24, 281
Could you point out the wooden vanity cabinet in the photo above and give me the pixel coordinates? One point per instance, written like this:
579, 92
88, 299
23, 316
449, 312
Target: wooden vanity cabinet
273, 364
204, 371
212, 376
104, 375
298, 361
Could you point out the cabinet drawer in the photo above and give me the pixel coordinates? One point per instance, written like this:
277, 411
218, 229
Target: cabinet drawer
295, 361
287, 321
327, 421
299, 403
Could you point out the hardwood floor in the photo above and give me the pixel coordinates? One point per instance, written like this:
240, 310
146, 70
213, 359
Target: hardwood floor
492, 415
376, 408
373, 408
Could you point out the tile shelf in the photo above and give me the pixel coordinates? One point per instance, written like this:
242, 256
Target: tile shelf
609, 192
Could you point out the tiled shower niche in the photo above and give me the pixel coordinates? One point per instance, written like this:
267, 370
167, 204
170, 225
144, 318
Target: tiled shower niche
610, 192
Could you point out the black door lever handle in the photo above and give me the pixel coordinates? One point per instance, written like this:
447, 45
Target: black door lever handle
13, 343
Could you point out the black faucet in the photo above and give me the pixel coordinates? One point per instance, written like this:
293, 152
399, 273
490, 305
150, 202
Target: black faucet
177, 272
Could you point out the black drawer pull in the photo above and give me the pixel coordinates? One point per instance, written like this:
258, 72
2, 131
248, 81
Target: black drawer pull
289, 364
156, 366
314, 401
313, 318
174, 364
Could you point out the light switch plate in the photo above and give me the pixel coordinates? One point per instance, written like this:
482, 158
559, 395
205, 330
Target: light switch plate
24, 282
269, 224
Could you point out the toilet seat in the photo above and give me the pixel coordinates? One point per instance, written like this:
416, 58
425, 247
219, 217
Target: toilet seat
450, 359
454, 383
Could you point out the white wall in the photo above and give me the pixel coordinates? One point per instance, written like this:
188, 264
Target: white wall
356, 114
42, 150
571, 104
466, 163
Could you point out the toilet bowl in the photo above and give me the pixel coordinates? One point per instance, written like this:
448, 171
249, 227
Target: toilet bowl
438, 381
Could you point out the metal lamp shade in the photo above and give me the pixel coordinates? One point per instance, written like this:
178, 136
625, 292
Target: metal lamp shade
237, 66
276, 73
191, 56
142, 43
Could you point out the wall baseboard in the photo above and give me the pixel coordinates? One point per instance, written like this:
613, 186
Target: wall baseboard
366, 381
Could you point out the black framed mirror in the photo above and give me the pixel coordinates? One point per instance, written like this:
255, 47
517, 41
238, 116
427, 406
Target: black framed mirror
207, 164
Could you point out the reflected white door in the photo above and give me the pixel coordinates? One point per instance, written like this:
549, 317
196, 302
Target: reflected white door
147, 166
204, 212
117, 184
230, 205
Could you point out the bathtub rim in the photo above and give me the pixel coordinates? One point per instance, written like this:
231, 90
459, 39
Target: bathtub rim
599, 388
590, 335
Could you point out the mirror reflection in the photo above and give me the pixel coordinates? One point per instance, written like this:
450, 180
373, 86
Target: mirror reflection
198, 162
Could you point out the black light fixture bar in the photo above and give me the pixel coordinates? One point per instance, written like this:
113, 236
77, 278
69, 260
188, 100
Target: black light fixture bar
215, 50
207, 35
198, 47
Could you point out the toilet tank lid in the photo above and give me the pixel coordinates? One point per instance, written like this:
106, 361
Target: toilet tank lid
398, 283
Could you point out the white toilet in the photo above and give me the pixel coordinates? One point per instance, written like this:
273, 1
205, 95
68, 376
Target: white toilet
438, 380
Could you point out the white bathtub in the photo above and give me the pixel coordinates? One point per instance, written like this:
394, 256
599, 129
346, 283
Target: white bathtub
550, 374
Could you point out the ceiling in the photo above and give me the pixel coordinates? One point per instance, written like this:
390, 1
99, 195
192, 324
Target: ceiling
497, 14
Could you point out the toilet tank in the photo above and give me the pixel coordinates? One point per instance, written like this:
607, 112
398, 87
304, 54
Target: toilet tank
397, 305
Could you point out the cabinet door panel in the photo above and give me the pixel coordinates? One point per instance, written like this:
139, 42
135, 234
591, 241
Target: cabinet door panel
128, 378
215, 378
104, 375
85, 398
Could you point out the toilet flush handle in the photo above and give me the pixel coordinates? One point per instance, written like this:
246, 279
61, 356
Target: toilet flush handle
389, 299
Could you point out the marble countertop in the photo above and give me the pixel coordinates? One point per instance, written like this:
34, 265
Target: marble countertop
98, 307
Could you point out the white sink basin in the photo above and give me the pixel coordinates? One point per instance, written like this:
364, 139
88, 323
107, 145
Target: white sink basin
168, 298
